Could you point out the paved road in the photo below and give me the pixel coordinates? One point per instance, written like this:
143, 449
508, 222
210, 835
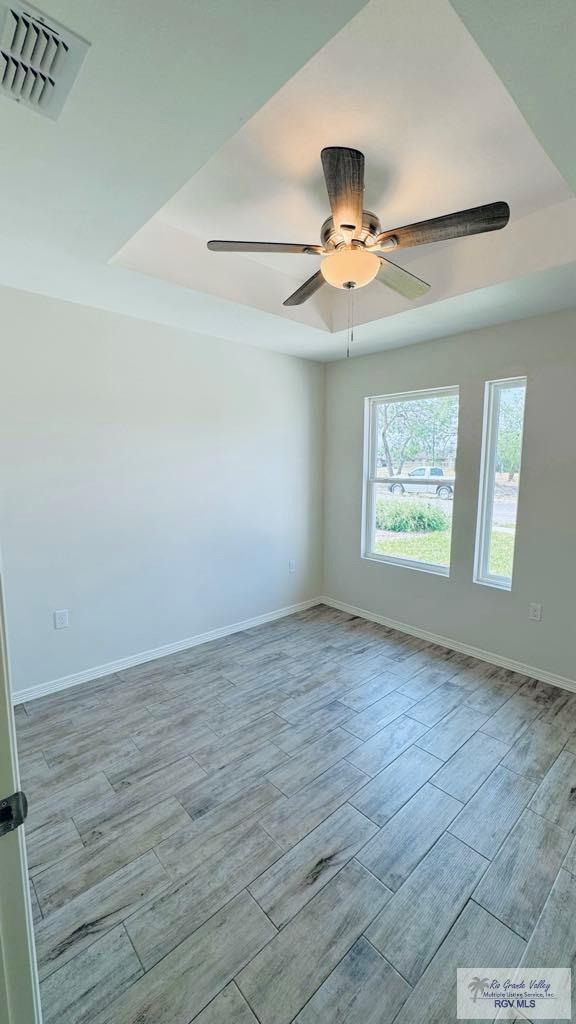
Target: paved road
505, 511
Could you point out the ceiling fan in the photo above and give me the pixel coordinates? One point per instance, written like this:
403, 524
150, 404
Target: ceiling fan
353, 242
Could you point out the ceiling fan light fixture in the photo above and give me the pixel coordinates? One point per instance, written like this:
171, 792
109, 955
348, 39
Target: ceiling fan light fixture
350, 267
351, 235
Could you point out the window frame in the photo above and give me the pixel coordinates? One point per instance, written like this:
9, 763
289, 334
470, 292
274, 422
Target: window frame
370, 478
487, 481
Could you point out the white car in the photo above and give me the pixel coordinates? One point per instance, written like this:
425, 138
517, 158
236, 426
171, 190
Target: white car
426, 481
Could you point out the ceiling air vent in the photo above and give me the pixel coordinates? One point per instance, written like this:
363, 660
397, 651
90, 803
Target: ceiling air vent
39, 59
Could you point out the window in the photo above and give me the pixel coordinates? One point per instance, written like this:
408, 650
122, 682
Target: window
499, 480
410, 455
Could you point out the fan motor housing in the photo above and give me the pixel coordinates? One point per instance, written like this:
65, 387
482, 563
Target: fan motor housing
331, 238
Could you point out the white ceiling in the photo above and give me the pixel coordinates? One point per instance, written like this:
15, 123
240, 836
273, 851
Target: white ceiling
162, 88
532, 47
203, 106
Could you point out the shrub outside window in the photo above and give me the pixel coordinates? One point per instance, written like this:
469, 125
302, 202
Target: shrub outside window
410, 477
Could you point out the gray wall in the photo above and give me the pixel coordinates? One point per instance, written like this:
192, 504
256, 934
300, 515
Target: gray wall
543, 348
155, 483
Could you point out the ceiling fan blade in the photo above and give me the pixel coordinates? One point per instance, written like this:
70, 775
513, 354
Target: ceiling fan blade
344, 174
305, 291
491, 217
401, 281
219, 245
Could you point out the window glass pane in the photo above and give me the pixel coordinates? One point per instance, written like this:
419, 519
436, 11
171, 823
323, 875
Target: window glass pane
410, 505
509, 414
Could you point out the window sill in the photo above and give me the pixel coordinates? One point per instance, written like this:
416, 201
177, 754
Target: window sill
407, 563
496, 582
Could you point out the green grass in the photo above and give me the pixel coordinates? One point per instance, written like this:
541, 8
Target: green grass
435, 549
502, 553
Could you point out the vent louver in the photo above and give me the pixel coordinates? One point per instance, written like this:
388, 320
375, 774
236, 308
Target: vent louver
39, 59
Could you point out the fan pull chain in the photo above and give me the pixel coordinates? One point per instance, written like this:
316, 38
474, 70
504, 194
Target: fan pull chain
350, 332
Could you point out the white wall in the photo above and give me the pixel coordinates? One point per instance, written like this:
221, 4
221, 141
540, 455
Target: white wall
153, 482
543, 348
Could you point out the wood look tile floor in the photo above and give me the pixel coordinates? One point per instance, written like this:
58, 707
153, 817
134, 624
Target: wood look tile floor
314, 821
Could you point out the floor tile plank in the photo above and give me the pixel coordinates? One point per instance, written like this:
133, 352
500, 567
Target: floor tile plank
50, 843
519, 879
470, 766
139, 766
367, 693
311, 761
570, 859
380, 750
553, 941
410, 928
63, 935
229, 1007
398, 847
555, 798
225, 751
185, 981
319, 721
219, 806
362, 989
92, 980
36, 912
111, 816
296, 877
283, 977
72, 875
438, 704
377, 715
425, 682
213, 873
153, 780
444, 739
324, 714
388, 791
561, 713
289, 819
510, 721
61, 805
493, 691
475, 938
535, 751
183, 730
96, 751
36, 732
492, 812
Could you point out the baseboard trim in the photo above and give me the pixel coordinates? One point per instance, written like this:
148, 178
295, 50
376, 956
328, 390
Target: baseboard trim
454, 645
97, 672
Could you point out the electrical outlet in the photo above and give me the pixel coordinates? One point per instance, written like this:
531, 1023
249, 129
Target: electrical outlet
535, 612
61, 619
291, 566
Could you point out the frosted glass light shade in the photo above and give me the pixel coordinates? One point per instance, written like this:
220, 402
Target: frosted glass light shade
345, 266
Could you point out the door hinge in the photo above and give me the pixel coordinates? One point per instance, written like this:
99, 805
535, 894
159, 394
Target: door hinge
13, 811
